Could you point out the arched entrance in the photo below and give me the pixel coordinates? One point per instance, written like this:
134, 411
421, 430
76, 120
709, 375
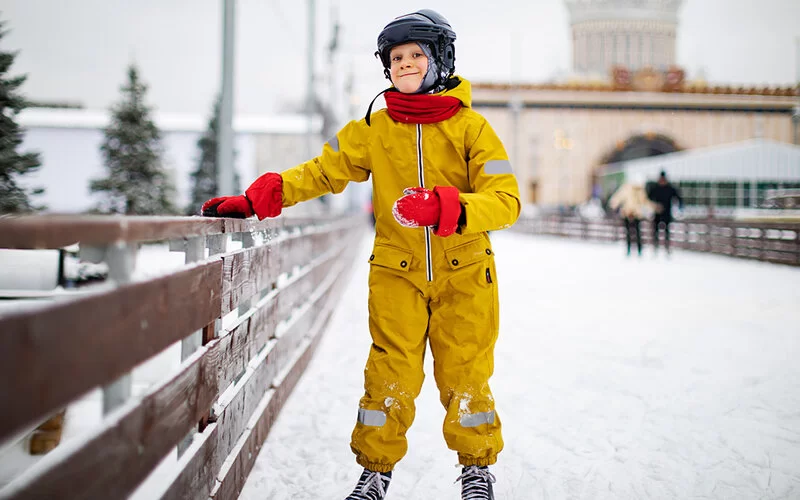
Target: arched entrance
635, 147
640, 146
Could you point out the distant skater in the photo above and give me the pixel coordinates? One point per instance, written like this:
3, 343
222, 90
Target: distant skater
662, 194
633, 205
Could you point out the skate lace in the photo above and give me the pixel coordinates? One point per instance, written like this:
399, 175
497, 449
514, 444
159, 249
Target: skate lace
371, 486
475, 483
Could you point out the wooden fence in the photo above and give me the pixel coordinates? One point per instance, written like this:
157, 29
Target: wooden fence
248, 303
777, 242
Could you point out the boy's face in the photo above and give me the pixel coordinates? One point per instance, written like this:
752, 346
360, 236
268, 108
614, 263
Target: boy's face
408, 67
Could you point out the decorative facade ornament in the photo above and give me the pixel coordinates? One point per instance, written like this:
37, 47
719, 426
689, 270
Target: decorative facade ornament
647, 79
674, 79
621, 78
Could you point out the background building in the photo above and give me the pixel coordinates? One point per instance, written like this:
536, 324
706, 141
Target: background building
69, 143
625, 100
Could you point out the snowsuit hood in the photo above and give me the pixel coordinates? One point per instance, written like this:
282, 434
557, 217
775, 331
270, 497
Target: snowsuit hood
462, 92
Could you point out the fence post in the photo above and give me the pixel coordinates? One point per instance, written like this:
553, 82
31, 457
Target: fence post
797, 246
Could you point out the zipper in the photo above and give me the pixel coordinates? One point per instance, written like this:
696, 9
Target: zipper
488, 276
421, 174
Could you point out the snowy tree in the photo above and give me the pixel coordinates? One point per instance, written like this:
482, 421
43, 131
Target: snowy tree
204, 177
137, 182
13, 197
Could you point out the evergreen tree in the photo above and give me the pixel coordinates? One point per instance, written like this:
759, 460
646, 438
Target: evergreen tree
137, 182
204, 177
13, 198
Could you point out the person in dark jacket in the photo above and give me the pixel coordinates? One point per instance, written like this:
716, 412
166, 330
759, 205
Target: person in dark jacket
662, 193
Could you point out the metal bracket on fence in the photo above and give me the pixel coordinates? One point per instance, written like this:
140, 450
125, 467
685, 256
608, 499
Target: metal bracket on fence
216, 244
194, 250
247, 242
121, 260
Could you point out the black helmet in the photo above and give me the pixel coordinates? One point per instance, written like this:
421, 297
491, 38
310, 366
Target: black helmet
421, 26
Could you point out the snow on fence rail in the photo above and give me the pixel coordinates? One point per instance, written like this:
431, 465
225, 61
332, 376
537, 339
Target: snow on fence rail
777, 242
255, 313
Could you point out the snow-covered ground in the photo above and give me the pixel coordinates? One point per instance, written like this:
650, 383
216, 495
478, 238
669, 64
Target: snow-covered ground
616, 378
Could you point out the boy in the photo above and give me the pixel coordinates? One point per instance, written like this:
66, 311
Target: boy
441, 180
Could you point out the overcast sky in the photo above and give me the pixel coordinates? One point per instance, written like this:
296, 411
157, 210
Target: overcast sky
77, 50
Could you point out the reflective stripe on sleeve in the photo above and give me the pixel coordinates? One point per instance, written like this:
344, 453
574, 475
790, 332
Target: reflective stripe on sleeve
498, 167
374, 418
476, 419
334, 143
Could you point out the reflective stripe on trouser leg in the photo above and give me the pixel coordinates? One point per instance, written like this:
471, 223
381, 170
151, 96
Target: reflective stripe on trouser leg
398, 322
463, 332
372, 418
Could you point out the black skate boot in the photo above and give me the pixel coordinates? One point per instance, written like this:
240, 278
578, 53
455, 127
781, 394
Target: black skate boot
476, 483
371, 486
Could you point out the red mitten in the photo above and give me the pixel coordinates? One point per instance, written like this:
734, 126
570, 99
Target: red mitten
237, 207
266, 193
423, 207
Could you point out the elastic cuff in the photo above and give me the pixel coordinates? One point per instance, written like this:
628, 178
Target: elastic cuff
374, 467
480, 462
450, 210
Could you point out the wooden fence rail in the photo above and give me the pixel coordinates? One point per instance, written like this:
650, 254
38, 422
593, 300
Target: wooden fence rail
255, 296
777, 242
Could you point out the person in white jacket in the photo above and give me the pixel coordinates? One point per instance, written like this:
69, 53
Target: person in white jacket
633, 204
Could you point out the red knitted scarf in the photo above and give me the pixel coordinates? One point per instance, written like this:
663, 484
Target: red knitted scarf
420, 108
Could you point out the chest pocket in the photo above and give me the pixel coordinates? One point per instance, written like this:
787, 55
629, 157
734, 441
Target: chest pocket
395, 258
467, 253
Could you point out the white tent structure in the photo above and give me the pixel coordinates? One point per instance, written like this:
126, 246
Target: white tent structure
729, 177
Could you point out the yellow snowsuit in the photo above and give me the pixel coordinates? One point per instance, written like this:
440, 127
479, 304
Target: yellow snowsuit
424, 288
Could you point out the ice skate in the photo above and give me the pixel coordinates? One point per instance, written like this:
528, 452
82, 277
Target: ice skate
371, 486
476, 483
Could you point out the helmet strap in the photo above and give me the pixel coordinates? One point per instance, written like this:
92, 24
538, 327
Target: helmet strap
369, 109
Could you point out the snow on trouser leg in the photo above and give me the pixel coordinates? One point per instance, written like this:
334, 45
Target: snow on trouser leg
463, 332
394, 372
472, 427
